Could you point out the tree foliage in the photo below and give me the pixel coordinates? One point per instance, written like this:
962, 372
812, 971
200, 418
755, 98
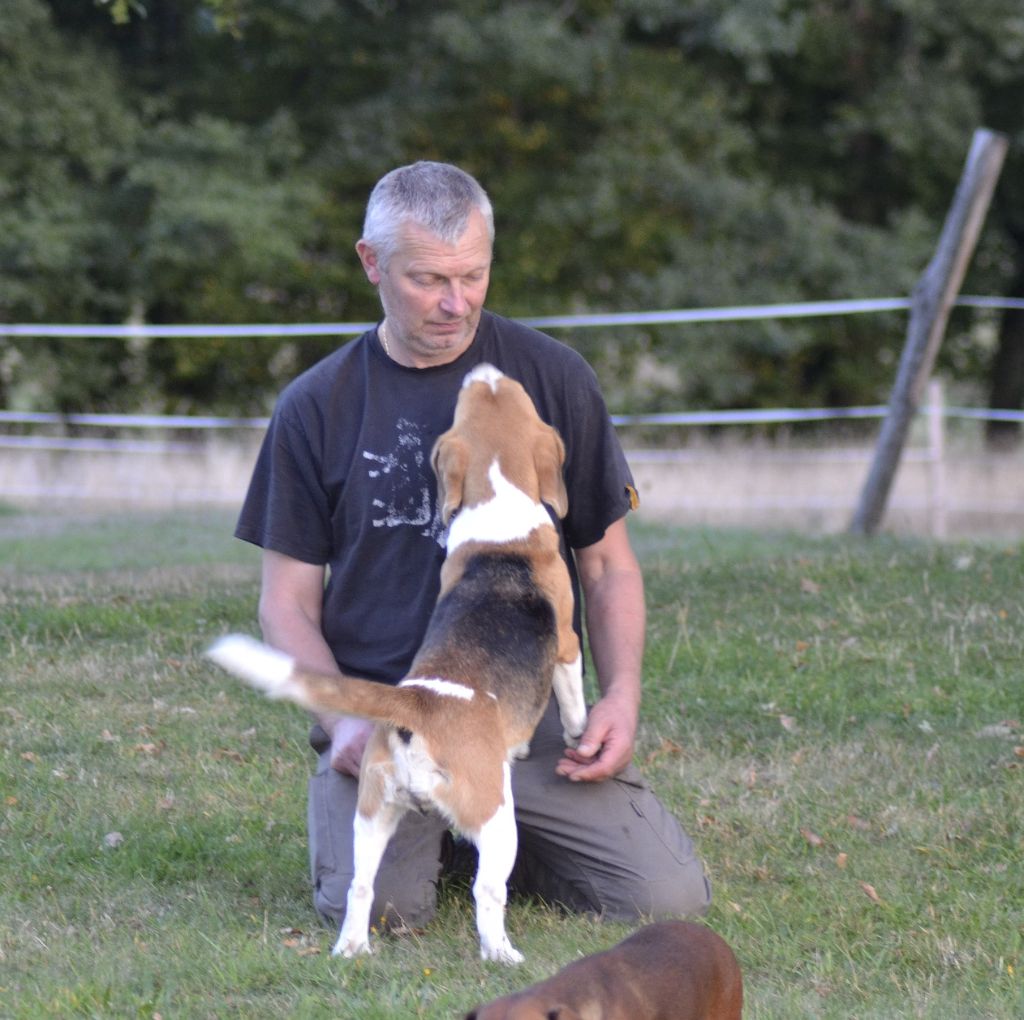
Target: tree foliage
184, 161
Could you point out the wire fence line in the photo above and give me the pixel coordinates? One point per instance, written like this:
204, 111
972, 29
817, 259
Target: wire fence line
208, 423
127, 421
735, 313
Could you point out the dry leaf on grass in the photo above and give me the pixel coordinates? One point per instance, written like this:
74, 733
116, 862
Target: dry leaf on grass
870, 892
302, 942
236, 756
812, 838
667, 748
809, 587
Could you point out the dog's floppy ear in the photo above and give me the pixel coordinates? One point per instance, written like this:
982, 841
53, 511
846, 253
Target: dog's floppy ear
449, 460
548, 458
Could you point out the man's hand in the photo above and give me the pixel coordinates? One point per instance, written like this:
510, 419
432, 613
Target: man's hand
348, 741
606, 746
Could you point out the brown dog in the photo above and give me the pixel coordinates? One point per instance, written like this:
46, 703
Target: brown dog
672, 970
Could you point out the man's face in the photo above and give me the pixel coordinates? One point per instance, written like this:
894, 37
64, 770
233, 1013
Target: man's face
432, 292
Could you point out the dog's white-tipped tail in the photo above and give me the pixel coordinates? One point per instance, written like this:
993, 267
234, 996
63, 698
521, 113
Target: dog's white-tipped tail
257, 664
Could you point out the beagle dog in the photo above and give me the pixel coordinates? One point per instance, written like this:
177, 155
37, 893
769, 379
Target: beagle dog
499, 638
672, 970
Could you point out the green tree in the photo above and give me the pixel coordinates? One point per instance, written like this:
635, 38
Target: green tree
871, 105
114, 211
626, 176
65, 129
641, 153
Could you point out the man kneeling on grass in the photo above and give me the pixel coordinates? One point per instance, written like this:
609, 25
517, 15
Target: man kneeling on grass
344, 505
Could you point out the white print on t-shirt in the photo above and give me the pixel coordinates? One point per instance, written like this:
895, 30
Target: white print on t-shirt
399, 476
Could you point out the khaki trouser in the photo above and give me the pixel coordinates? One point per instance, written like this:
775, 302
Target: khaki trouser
608, 848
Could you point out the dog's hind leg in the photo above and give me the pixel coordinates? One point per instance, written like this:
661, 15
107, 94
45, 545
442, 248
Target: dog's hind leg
497, 843
567, 682
370, 839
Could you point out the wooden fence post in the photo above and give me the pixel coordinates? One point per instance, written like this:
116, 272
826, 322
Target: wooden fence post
937, 495
931, 303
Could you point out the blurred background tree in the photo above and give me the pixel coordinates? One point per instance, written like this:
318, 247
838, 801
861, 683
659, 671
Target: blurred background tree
209, 161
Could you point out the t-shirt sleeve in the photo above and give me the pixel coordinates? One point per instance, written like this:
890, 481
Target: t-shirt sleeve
286, 506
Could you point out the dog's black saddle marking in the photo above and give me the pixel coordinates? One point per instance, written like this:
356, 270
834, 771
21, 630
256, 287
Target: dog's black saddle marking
497, 606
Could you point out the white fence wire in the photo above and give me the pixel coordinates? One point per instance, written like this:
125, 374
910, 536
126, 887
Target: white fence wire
733, 313
676, 479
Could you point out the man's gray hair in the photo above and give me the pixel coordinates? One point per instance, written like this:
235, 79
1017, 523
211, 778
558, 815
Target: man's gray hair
436, 196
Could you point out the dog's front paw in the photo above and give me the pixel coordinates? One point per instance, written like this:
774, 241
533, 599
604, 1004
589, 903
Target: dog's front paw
573, 731
501, 951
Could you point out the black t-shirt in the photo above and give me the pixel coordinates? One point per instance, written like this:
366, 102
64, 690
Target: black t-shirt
343, 479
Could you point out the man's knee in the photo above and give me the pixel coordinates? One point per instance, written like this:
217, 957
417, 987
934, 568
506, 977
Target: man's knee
410, 904
405, 891
683, 892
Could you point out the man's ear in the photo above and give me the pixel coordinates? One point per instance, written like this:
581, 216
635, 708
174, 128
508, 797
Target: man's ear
449, 460
371, 264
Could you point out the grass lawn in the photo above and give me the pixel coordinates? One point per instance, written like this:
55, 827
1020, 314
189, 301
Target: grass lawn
836, 722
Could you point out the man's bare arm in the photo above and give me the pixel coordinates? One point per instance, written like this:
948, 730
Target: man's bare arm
290, 614
613, 592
